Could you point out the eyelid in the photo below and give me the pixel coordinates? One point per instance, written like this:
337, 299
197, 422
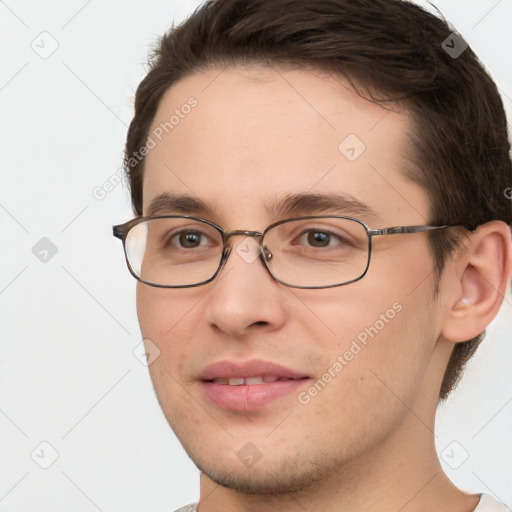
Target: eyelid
338, 232
194, 227
339, 236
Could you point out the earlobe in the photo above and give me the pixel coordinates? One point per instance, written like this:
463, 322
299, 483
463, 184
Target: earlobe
482, 275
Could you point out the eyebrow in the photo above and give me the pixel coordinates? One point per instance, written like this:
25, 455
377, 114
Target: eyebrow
167, 203
291, 205
308, 203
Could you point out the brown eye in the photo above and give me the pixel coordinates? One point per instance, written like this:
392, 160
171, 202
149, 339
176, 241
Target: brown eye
318, 238
188, 239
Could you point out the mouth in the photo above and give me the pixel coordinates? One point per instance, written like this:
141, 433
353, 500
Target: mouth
251, 381
248, 386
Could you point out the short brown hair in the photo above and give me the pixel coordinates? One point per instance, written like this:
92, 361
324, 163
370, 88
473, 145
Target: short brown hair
459, 146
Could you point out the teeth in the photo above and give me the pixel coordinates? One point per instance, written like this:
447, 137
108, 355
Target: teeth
253, 380
236, 381
248, 381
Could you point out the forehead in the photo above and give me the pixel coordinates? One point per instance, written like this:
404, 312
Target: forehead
239, 138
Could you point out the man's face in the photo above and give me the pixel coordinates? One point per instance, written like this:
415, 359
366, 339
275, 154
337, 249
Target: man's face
257, 136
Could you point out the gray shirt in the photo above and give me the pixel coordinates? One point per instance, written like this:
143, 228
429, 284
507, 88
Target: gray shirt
486, 504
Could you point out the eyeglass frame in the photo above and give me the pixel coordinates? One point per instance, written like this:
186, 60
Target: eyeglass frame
121, 231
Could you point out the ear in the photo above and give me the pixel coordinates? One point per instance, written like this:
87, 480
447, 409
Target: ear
477, 282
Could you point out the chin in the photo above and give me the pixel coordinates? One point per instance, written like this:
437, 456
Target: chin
278, 476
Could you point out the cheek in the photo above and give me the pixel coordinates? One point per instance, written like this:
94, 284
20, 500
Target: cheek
163, 311
376, 338
377, 366
146, 303
164, 321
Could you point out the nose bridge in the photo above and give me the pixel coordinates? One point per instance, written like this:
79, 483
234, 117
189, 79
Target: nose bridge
247, 257
230, 307
237, 232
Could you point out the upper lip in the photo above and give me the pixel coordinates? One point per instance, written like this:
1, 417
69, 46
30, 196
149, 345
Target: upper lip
254, 368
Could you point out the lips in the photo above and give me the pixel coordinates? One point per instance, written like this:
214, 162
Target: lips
248, 381
254, 368
248, 386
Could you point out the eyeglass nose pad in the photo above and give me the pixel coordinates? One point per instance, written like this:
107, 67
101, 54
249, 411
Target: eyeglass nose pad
266, 253
225, 255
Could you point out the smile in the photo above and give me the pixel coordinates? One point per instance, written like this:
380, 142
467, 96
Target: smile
248, 385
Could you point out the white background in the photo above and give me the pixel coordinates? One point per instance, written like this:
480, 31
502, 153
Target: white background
68, 374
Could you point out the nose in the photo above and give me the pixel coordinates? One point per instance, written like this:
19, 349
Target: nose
244, 296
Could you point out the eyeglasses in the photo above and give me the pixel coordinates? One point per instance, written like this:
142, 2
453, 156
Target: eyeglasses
179, 251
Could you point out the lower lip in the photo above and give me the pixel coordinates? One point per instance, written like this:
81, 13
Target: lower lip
249, 398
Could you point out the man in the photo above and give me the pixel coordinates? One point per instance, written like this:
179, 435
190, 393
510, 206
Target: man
322, 238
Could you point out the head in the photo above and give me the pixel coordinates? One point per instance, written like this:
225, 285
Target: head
272, 90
